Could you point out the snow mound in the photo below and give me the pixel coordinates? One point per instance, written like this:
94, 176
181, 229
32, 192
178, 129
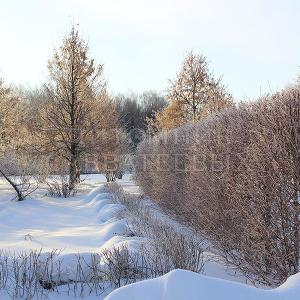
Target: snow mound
94, 192
132, 243
108, 211
183, 285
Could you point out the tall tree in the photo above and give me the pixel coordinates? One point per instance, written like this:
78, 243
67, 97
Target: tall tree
78, 114
196, 89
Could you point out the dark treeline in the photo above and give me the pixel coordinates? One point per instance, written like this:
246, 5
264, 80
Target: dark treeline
135, 111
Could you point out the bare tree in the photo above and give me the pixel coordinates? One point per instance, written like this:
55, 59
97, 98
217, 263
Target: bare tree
135, 112
17, 164
152, 103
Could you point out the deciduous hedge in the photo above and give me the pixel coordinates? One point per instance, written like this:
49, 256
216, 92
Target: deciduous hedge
235, 177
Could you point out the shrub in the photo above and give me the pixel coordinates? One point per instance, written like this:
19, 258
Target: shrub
59, 187
235, 177
167, 246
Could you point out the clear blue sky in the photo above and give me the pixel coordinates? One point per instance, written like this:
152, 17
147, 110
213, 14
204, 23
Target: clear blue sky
254, 44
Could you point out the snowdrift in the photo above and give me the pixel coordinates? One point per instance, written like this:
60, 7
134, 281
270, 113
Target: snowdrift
186, 285
59, 243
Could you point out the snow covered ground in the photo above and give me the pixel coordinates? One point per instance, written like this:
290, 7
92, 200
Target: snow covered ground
185, 285
84, 224
89, 223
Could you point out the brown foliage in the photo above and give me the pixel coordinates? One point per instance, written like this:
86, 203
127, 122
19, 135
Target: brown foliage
235, 177
171, 117
193, 95
18, 166
76, 121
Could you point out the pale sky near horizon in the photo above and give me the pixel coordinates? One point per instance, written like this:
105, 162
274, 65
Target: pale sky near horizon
254, 45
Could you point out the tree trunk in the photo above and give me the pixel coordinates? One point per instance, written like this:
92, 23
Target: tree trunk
194, 114
15, 187
110, 176
78, 169
74, 172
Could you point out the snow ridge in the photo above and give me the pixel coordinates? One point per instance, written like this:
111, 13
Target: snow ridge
182, 285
